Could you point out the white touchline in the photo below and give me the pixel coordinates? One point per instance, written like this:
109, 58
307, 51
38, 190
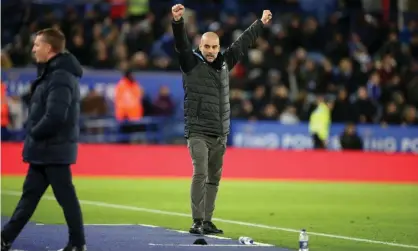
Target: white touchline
153, 226
209, 245
241, 223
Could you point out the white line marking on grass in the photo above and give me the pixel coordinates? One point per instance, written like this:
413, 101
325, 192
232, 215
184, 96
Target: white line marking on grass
260, 244
240, 223
104, 224
111, 225
153, 226
146, 225
208, 245
168, 229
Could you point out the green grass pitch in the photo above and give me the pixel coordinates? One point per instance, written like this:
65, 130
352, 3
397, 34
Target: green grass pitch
383, 212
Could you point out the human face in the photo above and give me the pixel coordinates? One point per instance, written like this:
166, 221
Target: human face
209, 46
41, 49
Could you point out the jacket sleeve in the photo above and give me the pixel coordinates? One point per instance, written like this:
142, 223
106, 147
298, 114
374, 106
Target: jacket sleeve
234, 53
183, 47
58, 101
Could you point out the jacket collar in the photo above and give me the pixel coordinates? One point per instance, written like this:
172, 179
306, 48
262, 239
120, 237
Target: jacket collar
217, 64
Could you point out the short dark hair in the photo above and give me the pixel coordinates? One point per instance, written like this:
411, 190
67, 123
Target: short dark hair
54, 37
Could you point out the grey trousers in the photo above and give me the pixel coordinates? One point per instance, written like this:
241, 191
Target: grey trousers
207, 155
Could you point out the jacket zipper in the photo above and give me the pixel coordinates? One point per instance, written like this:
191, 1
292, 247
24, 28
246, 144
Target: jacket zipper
220, 105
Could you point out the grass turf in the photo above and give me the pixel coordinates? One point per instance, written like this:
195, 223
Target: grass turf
384, 212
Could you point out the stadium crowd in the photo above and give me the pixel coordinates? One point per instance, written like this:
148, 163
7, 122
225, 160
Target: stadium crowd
367, 65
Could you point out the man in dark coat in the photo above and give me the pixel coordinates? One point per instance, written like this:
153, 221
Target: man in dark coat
50, 145
207, 109
349, 139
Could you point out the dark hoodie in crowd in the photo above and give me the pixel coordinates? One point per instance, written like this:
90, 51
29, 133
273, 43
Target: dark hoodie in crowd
350, 140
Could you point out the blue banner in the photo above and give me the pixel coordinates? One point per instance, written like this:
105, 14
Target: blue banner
103, 81
274, 135
243, 134
18, 81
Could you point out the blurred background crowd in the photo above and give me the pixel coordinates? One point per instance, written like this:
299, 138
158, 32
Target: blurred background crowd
359, 54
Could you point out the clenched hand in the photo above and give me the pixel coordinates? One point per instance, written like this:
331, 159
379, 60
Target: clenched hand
177, 11
267, 16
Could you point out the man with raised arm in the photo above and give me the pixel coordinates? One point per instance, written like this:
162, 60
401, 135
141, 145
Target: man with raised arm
207, 110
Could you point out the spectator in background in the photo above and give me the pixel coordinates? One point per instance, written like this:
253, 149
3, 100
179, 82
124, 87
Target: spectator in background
247, 111
269, 113
117, 10
308, 76
289, 116
80, 49
129, 105
101, 58
128, 98
140, 61
18, 52
392, 86
399, 100
17, 113
343, 109
409, 117
347, 78
337, 49
364, 109
373, 87
163, 51
280, 98
6, 62
349, 139
137, 10
259, 99
163, 104
414, 45
412, 91
408, 32
392, 46
235, 99
303, 106
386, 68
391, 115
94, 104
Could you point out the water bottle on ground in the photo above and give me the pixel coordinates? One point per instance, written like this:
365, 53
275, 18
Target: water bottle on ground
303, 241
246, 240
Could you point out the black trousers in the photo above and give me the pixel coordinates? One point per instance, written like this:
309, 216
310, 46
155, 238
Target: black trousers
318, 143
38, 178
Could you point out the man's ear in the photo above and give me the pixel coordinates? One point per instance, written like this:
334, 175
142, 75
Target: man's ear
50, 48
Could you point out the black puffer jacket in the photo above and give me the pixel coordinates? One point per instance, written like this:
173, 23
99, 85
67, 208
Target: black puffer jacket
206, 85
206, 105
54, 110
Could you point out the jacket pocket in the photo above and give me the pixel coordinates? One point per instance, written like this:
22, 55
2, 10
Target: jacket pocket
199, 107
56, 140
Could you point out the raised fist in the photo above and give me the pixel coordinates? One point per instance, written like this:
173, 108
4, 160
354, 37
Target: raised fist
177, 11
267, 16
